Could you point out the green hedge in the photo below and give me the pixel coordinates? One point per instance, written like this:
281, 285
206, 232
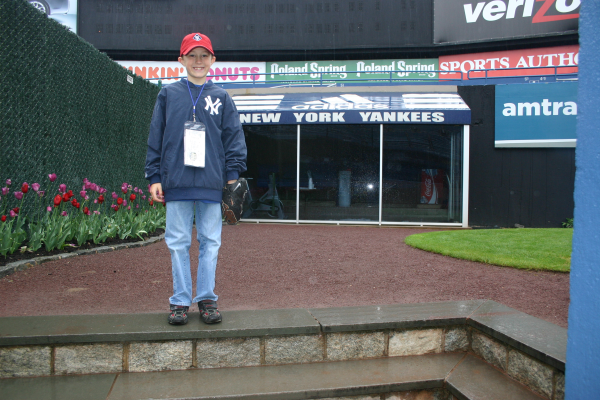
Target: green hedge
66, 108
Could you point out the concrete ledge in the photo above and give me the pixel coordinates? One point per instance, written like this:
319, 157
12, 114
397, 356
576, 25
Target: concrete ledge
64, 329
527, 349
395, 316
538, 338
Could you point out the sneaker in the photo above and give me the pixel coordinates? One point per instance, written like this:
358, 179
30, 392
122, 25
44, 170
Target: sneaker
178, 315
208, 312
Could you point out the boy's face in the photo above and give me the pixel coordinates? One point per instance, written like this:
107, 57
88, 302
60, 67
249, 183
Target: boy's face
197, 63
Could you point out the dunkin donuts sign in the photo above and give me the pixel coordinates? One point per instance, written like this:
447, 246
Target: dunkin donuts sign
172, 71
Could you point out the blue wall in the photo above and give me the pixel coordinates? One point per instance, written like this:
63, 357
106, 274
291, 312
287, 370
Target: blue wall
583, 346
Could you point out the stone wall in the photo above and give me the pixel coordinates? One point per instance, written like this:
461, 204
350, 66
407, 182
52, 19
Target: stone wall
145, 356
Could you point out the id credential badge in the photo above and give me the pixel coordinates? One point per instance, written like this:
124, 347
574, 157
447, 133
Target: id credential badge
194, 144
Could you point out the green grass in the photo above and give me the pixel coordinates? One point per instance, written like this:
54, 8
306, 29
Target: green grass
539, 249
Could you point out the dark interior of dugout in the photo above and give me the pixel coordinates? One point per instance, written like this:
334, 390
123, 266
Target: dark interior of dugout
337, 177
532, 187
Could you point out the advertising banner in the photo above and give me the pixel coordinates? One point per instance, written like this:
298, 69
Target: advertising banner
512, 62
539, 115
171, 71
458, 21
367, 70
353, 108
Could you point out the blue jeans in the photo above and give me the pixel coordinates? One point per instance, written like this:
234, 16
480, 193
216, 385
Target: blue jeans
178, 237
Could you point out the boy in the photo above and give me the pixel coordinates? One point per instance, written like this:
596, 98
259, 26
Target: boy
189, 186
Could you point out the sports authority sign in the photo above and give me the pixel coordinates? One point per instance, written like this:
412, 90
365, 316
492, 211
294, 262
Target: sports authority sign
512, 63
171, 71
456, 21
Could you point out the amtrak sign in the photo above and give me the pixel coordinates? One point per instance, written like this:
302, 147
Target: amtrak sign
353, 108
540, 115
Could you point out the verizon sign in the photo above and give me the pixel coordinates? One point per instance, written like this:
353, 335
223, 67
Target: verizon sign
545, 61
458, 21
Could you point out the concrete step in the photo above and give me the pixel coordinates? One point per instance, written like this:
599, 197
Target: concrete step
434, 376
57, 350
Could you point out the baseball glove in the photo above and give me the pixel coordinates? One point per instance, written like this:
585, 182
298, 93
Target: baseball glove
234, 195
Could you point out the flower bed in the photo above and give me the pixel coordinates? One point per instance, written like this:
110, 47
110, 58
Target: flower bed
62, 218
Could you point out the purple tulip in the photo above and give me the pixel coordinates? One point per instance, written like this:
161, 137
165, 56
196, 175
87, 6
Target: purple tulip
49, 209
82, 193
12, 214
64, 213
124, 202
114, 195
52, 177
8, 182
41, 193
19, 195
35, 186
62, 188
5, 191
96, 212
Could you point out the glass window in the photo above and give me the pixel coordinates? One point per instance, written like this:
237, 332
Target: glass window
422, 173
271, 173
339, 172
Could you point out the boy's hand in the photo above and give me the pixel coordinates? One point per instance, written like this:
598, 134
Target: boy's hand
230, 182
157, 192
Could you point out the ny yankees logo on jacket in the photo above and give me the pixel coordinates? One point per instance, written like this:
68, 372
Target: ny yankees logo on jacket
214, 106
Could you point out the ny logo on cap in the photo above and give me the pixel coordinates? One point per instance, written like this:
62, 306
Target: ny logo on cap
197, 37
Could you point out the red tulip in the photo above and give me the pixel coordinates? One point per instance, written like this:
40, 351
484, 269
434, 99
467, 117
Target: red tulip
65, 197
16, 210
74, 202
151, 202
3, 218
86, 211
119, 201
25, 187
100, 199
57, 200
132, 197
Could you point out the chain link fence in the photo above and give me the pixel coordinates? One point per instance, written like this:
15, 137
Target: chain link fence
66, 108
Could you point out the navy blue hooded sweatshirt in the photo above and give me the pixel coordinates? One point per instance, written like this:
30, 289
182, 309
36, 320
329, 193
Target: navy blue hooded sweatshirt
225, 143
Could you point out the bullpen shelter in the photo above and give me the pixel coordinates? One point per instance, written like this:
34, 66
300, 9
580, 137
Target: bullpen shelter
376, 155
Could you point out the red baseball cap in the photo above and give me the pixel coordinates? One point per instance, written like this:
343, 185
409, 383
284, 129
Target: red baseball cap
193, 40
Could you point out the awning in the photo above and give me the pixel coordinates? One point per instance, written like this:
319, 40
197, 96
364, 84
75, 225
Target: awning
362, 108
